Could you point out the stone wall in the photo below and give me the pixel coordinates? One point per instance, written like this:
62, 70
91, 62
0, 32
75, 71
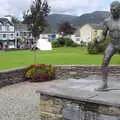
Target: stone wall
12, 76
62, 72
78, 71
54, 108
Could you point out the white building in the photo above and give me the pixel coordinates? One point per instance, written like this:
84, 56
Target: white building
87, 33
22, 35
7, 37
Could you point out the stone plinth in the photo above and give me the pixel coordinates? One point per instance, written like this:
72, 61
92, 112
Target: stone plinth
77, 100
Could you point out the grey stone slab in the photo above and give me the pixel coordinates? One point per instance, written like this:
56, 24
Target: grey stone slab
108, 98
106, 117
83, 90
68, 93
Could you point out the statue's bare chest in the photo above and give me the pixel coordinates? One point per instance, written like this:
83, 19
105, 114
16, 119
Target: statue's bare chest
114, 29
113, 25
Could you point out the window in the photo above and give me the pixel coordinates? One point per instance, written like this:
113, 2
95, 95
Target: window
77, 39
17, 34
4, 35
11, 35
21, 33
1, 36
6, 28
25, 34
0, 27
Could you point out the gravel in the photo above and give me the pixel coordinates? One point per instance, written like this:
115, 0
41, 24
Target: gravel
20, 101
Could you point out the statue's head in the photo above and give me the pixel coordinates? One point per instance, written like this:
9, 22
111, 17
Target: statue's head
115, 9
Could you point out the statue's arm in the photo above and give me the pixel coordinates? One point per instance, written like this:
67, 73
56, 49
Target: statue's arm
104, 33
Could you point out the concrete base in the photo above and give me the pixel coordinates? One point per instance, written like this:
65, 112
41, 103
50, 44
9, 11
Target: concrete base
82, 94
85, 89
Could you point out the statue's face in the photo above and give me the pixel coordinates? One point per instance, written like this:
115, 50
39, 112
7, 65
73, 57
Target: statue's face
115, 9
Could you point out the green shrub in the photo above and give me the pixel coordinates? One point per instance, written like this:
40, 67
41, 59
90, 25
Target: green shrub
54, 44
103, 45
64, 41
68, 42
92, 49
61, 42
74, 45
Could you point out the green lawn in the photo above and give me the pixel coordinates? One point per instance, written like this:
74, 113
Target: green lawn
13, 59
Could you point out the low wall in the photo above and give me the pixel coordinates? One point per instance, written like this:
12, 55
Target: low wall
12, 76
60, 108
78, 71
62, 72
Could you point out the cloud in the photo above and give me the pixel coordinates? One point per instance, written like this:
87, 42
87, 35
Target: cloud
14, 7
73, 6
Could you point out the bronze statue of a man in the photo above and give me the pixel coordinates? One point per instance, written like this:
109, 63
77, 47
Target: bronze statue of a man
112, 28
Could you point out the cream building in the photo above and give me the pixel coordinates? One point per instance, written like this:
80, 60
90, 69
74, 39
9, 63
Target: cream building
87, 33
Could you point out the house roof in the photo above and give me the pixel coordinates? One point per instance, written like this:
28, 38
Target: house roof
5, 21
21, 27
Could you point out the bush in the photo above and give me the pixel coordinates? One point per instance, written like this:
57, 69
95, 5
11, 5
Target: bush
61, 42
68, 42
54, 44
75, 45
39, 73
92, 49
102, 46
64, 41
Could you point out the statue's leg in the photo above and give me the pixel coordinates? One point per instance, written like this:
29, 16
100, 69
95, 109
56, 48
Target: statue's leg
109, 52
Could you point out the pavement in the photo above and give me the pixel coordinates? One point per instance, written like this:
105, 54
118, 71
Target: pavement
21, 102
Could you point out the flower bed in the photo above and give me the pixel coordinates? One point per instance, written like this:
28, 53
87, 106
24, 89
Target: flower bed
40, 72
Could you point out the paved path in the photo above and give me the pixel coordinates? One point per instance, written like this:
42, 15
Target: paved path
20, 101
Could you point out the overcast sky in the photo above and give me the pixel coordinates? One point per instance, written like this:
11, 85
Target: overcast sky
72, 7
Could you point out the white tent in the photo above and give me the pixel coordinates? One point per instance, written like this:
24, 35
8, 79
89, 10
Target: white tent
44, 44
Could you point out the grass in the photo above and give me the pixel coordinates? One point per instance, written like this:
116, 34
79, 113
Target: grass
60, 56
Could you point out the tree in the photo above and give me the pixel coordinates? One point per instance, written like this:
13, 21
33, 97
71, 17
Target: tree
66, 28
35, 17
15, 20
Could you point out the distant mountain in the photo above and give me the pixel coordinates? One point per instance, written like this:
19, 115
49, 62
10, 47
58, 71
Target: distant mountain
54, 20
59, 18
94, 18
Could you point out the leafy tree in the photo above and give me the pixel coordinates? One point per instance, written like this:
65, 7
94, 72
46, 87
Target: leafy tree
15, 20
66, 28
35, 17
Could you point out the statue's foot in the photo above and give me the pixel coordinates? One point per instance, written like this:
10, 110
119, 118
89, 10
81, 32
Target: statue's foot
102, 88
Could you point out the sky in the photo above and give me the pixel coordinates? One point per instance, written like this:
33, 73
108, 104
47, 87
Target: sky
71, 7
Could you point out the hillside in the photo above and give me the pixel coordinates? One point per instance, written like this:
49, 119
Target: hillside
97, 17
94, 18
59, 18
